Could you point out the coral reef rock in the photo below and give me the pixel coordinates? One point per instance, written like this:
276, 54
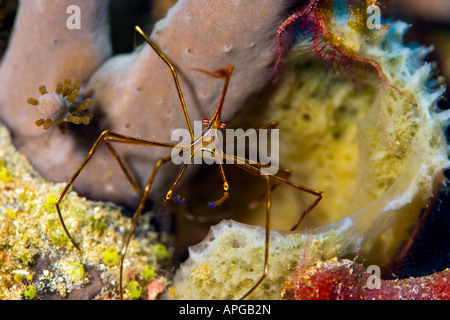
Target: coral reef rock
36, 252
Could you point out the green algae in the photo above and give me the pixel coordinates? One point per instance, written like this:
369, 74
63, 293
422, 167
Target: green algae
134, 289
111, 256
30, 292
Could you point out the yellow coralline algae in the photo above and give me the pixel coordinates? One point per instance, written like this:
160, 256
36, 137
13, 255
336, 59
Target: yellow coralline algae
374, 146
35, 253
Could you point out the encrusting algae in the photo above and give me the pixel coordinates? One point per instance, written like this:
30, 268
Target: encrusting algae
37, 260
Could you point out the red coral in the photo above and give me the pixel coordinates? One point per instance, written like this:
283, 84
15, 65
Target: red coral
154, 289
347, 280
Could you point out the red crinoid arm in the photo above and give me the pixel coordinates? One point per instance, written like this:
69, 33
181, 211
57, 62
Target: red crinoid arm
305, 14
323, 29
280, 32
311, 18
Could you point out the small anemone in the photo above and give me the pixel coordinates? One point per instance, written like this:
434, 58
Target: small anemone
62, 105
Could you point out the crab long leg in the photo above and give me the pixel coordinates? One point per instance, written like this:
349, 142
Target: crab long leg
268, 126
137, 214
317, 193
172, 70
107, 136
267, 240
111, 150
177, 179
257, 171
286, 172
226, 187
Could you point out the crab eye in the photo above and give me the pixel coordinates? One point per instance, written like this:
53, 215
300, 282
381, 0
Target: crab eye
205, 122
223, 125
